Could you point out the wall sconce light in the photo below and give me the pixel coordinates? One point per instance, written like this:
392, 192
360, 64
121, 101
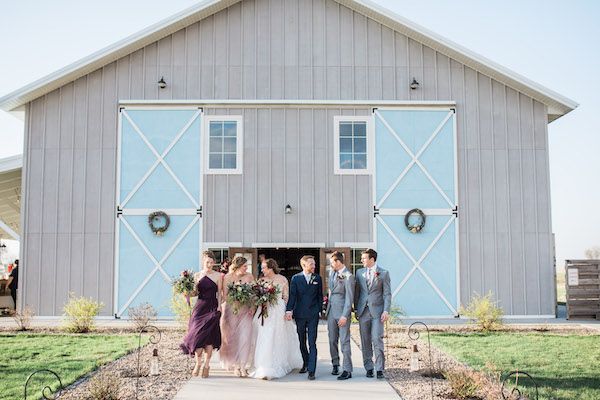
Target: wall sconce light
288, 209
414, 84
162, 84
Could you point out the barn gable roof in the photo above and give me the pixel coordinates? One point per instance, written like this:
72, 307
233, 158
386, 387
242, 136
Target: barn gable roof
557, 104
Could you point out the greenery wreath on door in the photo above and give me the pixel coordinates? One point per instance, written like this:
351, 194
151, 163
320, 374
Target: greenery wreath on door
159, 222
415, 228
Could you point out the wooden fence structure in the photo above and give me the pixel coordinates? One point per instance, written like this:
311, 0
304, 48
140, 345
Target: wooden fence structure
583, 288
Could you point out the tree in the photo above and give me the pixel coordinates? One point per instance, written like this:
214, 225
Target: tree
593, 253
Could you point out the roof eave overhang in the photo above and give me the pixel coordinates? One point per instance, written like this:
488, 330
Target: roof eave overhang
557, 105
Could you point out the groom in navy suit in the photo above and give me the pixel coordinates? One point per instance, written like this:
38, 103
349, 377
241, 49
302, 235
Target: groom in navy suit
304, 305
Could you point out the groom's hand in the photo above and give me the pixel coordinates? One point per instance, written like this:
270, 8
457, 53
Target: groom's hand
384, 316
342, 322
288, 315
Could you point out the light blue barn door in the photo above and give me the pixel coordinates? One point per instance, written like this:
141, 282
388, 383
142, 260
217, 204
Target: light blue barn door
159, 170
416, 168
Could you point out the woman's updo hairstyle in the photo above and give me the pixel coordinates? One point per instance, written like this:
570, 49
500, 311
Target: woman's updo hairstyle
237, 263
272, 264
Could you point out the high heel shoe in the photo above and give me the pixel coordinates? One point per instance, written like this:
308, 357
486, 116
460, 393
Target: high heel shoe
205, 372
196, 370
244, 372
237, 372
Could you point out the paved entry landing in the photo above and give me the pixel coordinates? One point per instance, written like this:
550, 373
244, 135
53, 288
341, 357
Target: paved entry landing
223, 385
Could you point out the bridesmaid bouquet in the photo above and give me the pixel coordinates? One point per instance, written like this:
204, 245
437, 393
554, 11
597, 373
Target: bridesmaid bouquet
184, 284
265, 294
239, 295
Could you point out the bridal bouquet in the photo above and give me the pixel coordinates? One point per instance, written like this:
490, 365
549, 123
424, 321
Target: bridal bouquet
184, 284
239, 295
265, 294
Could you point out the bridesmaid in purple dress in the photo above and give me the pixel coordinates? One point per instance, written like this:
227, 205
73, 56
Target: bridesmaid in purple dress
236, 328
204, 333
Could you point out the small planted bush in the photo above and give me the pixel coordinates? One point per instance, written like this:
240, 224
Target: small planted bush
464, 384
142, 315
79, 314
104, 386
484, 312
23, 318
181, 309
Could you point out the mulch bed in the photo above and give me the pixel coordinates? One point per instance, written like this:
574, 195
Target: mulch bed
415, 386
175, 367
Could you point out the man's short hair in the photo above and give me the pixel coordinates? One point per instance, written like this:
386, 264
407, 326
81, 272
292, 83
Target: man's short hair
337, 255
371, 253
305, 259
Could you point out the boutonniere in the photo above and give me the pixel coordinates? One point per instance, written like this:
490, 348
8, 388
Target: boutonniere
341, 277
377, 273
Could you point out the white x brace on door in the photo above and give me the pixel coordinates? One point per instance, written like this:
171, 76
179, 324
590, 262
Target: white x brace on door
416, 168
159, 170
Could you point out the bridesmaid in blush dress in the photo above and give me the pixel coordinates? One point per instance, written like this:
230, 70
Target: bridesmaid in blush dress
236, 328
204, 333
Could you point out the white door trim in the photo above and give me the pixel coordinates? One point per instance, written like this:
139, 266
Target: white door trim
417, 263
158, 265
415, 158
160, 158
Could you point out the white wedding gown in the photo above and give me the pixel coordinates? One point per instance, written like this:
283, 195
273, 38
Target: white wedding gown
277, 350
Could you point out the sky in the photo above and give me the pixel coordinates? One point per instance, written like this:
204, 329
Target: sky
555, 43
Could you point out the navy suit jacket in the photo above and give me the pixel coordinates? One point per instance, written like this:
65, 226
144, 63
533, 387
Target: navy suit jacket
305, 299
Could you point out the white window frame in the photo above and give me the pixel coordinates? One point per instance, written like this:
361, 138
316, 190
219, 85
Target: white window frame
239, 156
368, 119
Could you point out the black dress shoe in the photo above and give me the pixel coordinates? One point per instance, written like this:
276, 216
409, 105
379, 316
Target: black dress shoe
311, 376
302, 370
336, 370
370, 373
379, 374
345, 375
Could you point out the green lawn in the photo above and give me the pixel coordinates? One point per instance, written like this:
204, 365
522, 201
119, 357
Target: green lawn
70, 356
565, 366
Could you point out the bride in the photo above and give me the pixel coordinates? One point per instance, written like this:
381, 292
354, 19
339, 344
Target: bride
277, 350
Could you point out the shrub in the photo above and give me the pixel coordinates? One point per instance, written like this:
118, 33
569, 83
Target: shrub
142, 315
80, 313
23, 318
463, 383
484, 312
104, 386
181, 309
436, 370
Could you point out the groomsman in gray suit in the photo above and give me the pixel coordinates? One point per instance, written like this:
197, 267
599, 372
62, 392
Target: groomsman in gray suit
339, 309
373, 299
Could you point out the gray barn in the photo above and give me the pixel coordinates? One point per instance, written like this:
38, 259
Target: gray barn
287, 127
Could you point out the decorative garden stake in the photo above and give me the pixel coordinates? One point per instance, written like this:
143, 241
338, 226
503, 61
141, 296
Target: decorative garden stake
414, 334
154, 339
515, 392
47, 392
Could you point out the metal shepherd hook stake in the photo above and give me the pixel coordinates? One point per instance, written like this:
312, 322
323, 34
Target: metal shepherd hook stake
47, 392
154, 339
414, 334
515, 393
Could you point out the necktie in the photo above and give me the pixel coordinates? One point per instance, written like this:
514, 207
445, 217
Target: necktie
369, 273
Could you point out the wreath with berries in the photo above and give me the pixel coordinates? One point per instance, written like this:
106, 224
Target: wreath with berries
159, 222
418, 227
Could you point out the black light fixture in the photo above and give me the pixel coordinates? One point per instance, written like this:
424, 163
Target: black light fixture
414, 84
288, 209
162, 84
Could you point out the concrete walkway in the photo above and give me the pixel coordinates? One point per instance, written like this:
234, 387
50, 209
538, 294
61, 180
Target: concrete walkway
222, 384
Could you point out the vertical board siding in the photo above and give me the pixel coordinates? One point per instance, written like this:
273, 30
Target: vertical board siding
274, 49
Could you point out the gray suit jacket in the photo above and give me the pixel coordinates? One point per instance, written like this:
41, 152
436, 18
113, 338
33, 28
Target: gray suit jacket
378, 297
341, 295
